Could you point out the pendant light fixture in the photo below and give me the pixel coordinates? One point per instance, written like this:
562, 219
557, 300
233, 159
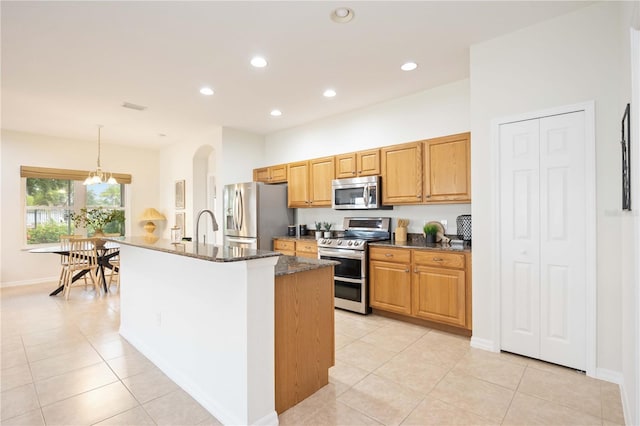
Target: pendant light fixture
99, 176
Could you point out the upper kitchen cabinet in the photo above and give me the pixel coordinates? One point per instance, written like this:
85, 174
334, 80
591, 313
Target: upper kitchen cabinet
402, 174
310, 182
447, 177
362, 163
298, 188
272, 174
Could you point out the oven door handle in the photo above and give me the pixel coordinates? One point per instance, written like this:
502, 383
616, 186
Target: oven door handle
341, 253
348, 280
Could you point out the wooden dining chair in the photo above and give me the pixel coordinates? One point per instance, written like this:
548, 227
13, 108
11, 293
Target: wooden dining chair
114, 271
82, 257
65, 244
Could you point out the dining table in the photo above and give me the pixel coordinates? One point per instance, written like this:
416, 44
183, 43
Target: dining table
104, 257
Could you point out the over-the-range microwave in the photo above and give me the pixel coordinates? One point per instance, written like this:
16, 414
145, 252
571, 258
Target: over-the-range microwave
360, 193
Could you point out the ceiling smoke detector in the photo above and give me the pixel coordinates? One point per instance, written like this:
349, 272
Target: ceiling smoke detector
133, 106
342, 15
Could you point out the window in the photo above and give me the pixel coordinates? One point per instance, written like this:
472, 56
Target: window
51, 195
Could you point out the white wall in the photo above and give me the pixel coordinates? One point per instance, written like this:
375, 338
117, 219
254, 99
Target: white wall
431, 113
21, 267
235, 154
570, 59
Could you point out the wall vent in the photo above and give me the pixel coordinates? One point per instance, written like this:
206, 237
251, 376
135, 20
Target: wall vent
133, 106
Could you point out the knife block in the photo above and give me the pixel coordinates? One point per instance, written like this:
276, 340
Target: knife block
401, 234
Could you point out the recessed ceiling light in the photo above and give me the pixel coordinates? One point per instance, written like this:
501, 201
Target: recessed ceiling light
276, 113
207, 91
258, 62
329, 93
409, 66
342, 15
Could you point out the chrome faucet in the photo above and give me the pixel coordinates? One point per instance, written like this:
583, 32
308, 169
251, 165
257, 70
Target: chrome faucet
213, 219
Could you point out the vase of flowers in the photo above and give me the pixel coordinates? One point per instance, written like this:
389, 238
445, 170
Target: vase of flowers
95, 220
327, 230
318, 230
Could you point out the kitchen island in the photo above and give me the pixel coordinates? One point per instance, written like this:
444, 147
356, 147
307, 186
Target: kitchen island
207, 317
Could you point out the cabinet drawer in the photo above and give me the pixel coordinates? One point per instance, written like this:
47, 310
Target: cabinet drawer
390, 254
284, 245
307, 247
438, 258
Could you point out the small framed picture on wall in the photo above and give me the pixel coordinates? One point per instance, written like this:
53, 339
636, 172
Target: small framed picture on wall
180, 221
180, 194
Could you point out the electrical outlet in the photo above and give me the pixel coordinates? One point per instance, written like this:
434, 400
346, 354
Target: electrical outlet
444, 224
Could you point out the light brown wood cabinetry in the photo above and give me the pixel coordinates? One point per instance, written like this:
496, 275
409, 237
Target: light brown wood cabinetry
271, 174
425, 284
298, 184
447, 163
307, 248
301, 247
287, 247
390, 286
401, 169
355, 164
310, 182
304, 335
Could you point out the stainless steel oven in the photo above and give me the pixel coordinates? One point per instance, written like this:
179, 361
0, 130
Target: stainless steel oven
350, 275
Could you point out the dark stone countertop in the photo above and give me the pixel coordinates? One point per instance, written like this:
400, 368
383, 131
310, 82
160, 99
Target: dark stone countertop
295, 238
292, 264
201, 251
418, 244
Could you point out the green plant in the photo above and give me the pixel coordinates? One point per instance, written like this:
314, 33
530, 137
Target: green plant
97, 219
327, 226
318, 226
48, 232
430, 229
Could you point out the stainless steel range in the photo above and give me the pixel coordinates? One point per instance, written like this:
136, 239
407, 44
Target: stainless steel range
350, 276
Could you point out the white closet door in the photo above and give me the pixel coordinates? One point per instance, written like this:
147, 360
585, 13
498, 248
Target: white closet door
562, 244
520, 237
543, 250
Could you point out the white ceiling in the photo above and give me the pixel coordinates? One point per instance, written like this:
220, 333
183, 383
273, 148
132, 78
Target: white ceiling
68, 66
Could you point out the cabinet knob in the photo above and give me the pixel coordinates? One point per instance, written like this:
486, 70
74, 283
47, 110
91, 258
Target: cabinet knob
428, 196
437, 259
406, 270
415, 271
388, 255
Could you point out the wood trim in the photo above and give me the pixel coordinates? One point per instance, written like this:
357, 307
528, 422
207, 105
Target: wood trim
53, 173
425, 323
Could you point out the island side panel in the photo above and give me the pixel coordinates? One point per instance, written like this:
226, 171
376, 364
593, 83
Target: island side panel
191, 318
304, 334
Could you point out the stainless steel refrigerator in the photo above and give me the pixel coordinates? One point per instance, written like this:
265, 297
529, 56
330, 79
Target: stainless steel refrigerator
254, 213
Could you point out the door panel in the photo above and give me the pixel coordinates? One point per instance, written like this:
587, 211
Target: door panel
520, 252
563, 255
439, 295
543, 238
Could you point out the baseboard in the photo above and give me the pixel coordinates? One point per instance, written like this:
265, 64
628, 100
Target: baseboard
194, 390
484, 344
45, 280
609, 376
626, 405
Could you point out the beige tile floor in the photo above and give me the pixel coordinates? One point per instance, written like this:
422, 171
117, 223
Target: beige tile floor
63, 363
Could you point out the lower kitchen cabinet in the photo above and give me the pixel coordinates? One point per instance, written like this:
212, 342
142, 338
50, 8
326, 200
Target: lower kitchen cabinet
425, 284
439, 295
303, 247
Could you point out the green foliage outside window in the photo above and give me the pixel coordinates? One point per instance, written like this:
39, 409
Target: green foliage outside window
47, 233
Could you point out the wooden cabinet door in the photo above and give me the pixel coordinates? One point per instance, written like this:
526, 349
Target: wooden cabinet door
345, 165
439, 295
402, 173
321, 173
278, 174
447, 163
307, 248
368, 162
298, 188
261, 174
390, 286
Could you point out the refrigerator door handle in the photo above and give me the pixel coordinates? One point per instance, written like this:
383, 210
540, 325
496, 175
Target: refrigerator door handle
240, 210
235, 211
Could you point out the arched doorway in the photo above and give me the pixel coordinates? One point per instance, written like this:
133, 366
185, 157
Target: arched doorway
204, 193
